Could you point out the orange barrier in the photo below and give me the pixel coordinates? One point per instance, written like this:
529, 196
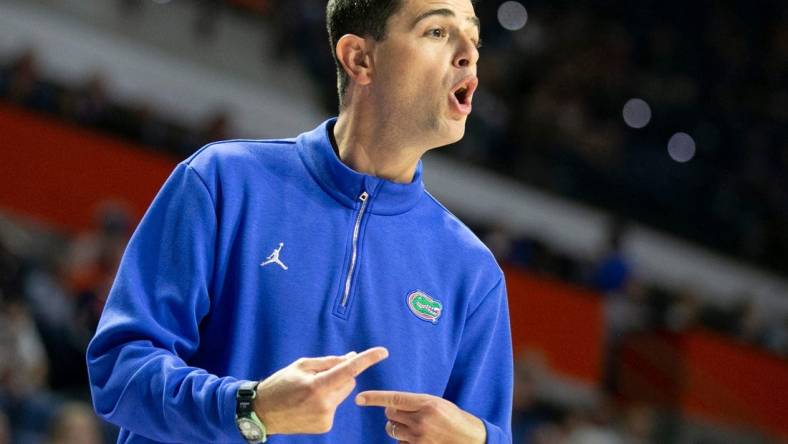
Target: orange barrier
59, 173
564, 323
708, 377
734, 383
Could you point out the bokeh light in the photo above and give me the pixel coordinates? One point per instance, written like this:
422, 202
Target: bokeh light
512, 15
681, 147
637, 113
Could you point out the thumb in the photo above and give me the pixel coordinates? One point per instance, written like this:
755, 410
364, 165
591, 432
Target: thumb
323, 363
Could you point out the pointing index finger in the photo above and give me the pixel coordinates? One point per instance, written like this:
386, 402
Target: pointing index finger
352, 367
399, 400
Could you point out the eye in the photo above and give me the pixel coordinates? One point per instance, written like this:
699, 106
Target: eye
437, 33
478, 43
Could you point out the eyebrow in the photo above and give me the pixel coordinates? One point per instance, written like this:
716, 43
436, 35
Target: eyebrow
444, 13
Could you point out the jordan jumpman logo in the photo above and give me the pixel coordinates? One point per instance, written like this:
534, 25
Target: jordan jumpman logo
274, 258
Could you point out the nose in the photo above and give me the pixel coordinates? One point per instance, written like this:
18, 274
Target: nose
467, 53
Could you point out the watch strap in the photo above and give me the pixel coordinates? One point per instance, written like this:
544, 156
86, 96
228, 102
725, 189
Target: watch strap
244, 410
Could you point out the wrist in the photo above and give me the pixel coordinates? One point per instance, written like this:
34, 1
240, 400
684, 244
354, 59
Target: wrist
263, 412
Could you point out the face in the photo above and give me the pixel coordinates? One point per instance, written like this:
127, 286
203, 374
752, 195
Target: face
425, 70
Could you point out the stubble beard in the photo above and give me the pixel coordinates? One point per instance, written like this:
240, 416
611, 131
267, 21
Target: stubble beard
431, 119
422, 119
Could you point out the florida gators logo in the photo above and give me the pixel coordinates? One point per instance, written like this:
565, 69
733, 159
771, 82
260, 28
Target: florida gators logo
424, 307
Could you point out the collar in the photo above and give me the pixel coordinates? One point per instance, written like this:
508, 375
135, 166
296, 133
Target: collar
346, 185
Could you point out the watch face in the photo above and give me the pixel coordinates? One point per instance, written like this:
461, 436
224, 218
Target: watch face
250, 430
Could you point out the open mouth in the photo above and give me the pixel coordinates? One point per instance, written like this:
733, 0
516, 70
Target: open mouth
463, 93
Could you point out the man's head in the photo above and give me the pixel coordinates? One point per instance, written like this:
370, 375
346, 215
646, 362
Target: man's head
364, 18
413, 59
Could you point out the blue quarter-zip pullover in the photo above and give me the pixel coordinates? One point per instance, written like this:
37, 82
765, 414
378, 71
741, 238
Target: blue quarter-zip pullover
257, 253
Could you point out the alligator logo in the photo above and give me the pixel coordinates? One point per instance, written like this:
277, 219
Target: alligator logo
424, 307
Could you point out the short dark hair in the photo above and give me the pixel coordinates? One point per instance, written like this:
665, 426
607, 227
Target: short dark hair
364, 18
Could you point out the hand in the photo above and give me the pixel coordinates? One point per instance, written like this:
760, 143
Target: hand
424, 419
303, 397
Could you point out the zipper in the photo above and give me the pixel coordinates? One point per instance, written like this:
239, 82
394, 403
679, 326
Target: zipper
363, 198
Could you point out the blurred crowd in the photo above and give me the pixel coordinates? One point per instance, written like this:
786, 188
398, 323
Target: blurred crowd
540, 417
548, 112
89, 104
634, 305
52, 292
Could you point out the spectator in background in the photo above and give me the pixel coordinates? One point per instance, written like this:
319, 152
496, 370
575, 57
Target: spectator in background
614, 270
5, 429
23, 360
11, 267
23, 371
532, 417
92, 104
54, 310
749, 326
21, 83
74, 423
93, 261
682, 313
499, 241
639, 424
583, 429
776, 337
215, 127
624, 313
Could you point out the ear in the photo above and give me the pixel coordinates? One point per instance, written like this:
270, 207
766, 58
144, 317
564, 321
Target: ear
353, 54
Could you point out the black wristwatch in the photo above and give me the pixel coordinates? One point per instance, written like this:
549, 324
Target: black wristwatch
248, 423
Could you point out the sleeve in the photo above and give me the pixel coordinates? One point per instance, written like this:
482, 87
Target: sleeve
139, 378
482, 379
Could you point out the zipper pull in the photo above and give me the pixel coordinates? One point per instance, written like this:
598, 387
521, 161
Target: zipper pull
363, 197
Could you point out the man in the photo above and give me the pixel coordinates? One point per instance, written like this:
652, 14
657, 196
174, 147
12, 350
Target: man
257, 254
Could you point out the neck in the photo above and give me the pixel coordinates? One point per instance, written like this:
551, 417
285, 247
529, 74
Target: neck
371, 145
